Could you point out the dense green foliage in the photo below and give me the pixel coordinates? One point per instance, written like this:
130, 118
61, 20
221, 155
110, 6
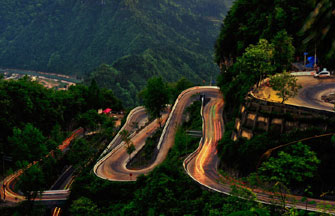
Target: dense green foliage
301, 161
138, 39
256, 63
155, 96
285, 84
257, 60
128, 87
177, 87
41, 175
284, 51
80, 152
310, 163
28, 144
83, 206
32, 181
193, 121
91, 120
148, 153
249, 21
319, 31
291, 27
30, 114
23, 209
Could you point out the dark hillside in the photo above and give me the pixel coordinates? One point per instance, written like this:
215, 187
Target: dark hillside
172, 38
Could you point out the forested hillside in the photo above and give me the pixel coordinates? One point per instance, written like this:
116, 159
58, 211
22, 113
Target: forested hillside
249, 21
260, 38
32, 116
138, 38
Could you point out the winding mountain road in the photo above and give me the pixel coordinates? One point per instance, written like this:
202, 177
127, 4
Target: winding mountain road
308, 96
57, 193
113, 166
202, 165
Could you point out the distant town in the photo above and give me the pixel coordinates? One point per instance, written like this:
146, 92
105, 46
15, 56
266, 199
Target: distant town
48, 80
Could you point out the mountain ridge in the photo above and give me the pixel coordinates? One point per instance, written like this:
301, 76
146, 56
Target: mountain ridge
76, 36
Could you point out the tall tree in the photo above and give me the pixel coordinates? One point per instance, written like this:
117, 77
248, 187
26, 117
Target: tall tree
28, 144
90, 120
249, 21
177, 87
94, 99
155, 96
300, 159
257, 59
80, 152
284, 51
285, 84
32, 182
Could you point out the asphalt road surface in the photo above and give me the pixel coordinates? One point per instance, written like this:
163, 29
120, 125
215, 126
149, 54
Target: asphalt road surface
58, 193
114, 165
202, 164
308, 96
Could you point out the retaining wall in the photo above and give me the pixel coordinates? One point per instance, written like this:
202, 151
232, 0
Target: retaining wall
258, 116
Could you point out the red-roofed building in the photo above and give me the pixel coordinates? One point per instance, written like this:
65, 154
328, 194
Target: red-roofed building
107, 111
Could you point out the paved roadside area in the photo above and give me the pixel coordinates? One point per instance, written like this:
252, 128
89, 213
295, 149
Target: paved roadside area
308, 96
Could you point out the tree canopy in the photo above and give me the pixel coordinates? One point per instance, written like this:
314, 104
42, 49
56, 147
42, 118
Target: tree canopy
249, 21
256, 63
84, 206
257, 60
32, 182
290, 167
30, 113
155, 96
28, 144
285, 84
284, 51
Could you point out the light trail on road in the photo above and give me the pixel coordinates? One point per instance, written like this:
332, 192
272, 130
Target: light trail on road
113, 166
10, 181
202, 165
